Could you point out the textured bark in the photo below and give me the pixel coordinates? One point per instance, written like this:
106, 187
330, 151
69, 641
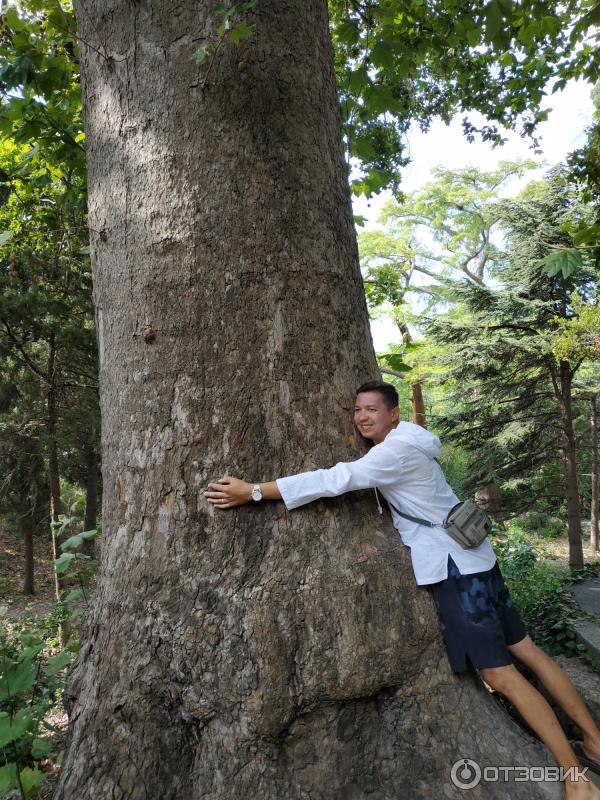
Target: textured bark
26, 525
594, 526
251, 653
91, 496
60, 585
416, 389
487, 497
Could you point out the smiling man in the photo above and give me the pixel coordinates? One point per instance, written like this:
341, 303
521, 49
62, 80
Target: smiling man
478, 619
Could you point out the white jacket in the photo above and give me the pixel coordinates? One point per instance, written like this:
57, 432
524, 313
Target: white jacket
403, 468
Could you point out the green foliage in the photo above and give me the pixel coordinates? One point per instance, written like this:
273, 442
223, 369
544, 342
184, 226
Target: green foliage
500, 347
444, 231
31, 679
41, 105
566, 261
404, 61
231, 25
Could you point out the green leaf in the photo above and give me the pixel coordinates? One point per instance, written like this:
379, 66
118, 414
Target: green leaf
241, 31
10, 730
85, 251
8, 778
359, 220
200, 54
41, 748
565, 261
358, 80
74, 594
61, 564
6, 236
394, 361
587, 235
493, 20
56, 663
363, 149
224, 26
31, 780
15, 23
348, 32
16, 678
382, 54
77, 539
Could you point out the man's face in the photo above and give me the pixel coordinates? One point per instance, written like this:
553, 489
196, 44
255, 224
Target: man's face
372, 417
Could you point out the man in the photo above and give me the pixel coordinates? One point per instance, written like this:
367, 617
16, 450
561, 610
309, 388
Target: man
477, 616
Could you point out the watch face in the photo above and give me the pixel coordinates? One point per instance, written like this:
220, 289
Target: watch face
256, 494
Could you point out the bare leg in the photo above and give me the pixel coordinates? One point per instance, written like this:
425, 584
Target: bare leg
557, 682
538, 714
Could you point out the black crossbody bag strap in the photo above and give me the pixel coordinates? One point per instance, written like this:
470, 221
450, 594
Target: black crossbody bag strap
414, 519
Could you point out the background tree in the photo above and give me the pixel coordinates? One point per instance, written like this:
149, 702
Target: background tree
503, 354
46, 327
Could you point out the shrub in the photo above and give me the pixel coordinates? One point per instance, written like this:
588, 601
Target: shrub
31, 678
541, 592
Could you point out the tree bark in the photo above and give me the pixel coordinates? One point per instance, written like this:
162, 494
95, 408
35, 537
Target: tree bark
91, 496
570, 467
53, 469
594, 526
251, 653
416, 389
61, 586
26, 525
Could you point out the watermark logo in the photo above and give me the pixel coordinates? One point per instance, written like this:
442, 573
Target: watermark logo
466, 774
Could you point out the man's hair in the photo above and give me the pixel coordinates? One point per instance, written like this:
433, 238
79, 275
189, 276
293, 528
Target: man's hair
390, 395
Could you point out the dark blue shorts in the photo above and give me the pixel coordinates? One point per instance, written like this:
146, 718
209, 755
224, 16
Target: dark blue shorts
478, 618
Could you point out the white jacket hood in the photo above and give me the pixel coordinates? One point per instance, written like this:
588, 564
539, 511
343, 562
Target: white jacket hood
425, 441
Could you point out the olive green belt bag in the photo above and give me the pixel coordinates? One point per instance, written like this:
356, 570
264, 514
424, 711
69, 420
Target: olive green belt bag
466, 523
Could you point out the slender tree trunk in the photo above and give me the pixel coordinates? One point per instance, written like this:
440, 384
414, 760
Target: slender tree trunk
487, 497
594, 532
251, 653
53, 470
416, 389
418, 404
60, 583
570, 467
26, 525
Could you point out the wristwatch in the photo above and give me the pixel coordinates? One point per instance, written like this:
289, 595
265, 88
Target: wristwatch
256, 493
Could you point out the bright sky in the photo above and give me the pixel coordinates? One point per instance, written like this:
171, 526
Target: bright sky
564, 131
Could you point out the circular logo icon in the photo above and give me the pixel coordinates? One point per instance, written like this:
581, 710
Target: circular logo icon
466, 773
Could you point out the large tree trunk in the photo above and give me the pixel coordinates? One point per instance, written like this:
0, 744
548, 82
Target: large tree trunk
251, 653
594, 526
570, 466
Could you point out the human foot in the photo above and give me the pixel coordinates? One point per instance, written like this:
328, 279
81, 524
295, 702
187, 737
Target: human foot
586, 754
583, 789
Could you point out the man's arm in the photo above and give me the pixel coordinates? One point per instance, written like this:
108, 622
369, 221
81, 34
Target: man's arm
381, 466
231, 492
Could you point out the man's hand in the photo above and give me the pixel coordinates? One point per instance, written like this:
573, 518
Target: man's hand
229, 492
